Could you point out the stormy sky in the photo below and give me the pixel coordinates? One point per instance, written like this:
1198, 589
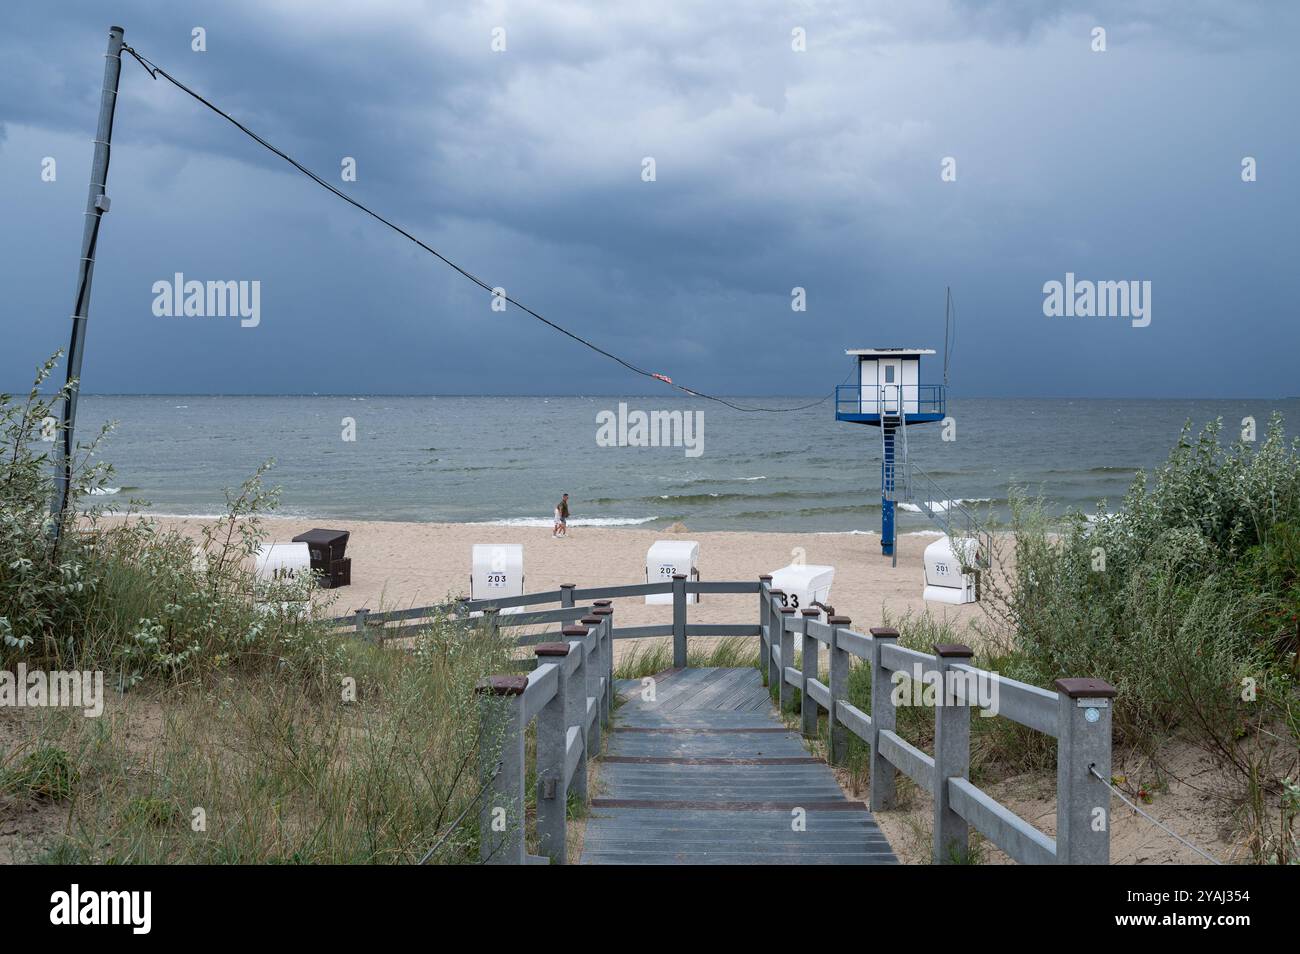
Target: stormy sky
775, 168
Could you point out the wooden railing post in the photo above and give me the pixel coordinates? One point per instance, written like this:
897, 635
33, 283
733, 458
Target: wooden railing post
492, 622
1083, 747
566, 595
605, 610
501, 733
601, 669
811, 660
587, 674
839, 736
552, 734
883, 774
785, 691
575, 708
679, 621
773, 639
764, 624
951, 757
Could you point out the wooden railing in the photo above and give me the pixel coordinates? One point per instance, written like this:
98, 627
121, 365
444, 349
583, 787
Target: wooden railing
470, 613
569, 691
1078, 716
568, 695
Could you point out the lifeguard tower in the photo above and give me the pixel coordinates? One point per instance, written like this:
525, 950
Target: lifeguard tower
889, 394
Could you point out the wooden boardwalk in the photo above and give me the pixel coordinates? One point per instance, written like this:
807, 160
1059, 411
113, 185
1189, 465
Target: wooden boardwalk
708, 774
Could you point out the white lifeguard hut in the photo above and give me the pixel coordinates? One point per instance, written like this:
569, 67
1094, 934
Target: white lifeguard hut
805, 585
889, 395
496, 571
668, 558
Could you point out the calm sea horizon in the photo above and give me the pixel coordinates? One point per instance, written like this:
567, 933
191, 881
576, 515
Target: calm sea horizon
508, 459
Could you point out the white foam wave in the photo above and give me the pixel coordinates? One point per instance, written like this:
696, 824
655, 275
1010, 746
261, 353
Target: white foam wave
573, 522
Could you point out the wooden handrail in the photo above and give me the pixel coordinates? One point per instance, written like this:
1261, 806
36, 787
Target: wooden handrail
1077, 715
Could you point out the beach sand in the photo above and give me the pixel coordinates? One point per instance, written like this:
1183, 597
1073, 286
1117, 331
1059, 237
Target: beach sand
401, 565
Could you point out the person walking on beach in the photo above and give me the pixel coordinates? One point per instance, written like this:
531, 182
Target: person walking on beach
561, 517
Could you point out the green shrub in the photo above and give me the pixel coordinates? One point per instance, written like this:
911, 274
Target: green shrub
46, 773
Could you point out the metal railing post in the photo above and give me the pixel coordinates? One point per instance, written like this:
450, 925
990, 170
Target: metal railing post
811, 660
679, 621
1082, 748
951, 757
566, 595
501, 732
883, 774
552, 735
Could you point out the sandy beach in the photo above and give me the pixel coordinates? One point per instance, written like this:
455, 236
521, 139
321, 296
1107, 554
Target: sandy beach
400, 565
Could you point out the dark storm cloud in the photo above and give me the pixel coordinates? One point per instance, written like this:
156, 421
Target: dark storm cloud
775, 169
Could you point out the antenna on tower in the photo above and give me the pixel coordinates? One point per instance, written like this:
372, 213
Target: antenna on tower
949, 333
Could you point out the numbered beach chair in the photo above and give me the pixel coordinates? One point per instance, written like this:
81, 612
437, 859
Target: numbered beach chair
805, 585
496, 571
667, 558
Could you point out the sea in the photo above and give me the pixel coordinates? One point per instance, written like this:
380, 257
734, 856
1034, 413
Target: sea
507, 460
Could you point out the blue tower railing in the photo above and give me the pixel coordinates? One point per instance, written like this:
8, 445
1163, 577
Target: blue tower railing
868, 404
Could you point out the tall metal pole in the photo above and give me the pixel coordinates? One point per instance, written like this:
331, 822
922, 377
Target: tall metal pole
96, 205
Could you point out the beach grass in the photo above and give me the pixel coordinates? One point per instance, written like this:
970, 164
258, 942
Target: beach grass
649, 657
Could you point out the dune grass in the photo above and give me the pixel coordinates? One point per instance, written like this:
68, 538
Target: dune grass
651, 656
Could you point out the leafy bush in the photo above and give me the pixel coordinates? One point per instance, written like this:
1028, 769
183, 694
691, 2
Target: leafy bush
128, 598
42, 591
1186, 599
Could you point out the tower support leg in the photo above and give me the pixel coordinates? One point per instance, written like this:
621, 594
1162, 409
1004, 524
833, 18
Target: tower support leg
886, 526
887, 493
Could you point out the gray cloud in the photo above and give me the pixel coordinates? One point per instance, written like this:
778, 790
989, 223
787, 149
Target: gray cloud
775, 169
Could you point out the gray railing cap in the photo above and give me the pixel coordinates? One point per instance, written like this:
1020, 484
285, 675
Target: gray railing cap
838, 620
883, 632
574, 631
552, 649
679, 576
953, 650
1086, 688
568, 586
502, 685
